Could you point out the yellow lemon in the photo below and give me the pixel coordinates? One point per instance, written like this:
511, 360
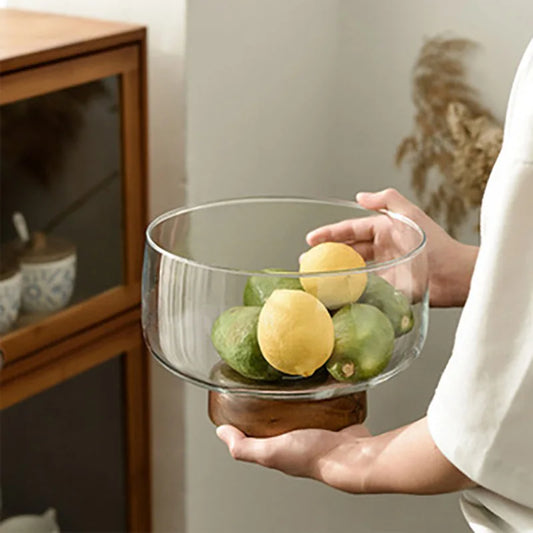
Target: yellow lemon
295, 332
333, 291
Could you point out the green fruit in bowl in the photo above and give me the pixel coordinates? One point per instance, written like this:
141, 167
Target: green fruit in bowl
259, 288
381, 294
234, 336
364, 341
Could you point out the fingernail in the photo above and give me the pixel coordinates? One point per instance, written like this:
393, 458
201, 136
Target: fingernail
316, 240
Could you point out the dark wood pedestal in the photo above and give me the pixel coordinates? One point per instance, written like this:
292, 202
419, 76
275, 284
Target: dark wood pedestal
260, 417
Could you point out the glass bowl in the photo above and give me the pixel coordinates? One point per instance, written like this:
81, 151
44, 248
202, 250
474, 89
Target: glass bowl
198, 260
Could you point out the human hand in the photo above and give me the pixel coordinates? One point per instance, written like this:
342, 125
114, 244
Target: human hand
450, 262
300, 453
405, 460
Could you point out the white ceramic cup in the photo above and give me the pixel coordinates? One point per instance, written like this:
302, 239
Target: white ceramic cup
47, 286
10, 293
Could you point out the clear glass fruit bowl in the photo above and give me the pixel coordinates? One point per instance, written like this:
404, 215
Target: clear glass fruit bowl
199, 260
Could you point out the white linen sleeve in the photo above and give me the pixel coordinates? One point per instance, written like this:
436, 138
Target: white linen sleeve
481, 416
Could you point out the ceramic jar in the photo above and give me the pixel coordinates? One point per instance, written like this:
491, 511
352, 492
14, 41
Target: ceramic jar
10, 292
48, 270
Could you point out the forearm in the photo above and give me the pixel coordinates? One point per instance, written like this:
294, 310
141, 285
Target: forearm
450, 282
405, 460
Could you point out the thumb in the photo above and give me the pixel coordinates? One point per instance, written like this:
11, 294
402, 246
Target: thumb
230, 435
389, 199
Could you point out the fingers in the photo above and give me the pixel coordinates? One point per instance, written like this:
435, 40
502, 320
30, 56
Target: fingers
363, 229
245, 448
389, 199
347, 231
365, 250
230, 435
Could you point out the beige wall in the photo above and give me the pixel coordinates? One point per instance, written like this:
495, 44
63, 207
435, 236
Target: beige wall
312, 98
378, 44
260, 80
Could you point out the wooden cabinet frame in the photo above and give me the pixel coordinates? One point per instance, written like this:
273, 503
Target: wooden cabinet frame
51, 366
63, 345
123, 62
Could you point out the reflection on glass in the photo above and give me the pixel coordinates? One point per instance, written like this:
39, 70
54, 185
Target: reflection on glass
64, 449
60, 168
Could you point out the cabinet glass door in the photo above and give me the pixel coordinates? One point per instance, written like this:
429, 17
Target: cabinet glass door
61, 168
64, 449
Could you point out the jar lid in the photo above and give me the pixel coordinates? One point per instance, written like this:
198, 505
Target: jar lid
46, 248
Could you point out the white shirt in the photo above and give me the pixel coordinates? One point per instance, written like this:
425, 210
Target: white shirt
481, 416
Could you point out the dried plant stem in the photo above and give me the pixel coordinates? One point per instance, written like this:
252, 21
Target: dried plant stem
454, 136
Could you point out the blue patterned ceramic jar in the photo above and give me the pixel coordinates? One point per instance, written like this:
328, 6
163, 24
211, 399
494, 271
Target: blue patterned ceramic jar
48, 269
10, 290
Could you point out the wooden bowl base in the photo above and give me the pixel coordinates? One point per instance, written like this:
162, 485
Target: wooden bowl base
259, 417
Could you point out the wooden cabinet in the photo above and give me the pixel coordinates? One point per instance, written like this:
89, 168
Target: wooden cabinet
73, 160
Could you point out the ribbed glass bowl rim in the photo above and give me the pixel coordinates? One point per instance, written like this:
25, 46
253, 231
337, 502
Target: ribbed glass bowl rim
371, 267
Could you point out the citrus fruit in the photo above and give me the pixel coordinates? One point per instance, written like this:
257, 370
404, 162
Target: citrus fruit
364, 342
295, 332
333, 291
259, 288
234, 336
381, 294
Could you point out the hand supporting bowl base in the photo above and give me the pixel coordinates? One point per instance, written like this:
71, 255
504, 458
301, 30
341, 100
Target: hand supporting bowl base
260, 417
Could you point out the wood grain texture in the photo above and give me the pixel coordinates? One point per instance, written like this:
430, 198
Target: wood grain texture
70, 364
144, 115
128, 62
68, 73
41, 53
29, 38
132, 164
258, 417
138, 467
18, 368
22, 342
121, 336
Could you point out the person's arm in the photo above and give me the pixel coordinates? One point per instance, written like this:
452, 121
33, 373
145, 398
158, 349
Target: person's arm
450, 287
405, 460
450, 262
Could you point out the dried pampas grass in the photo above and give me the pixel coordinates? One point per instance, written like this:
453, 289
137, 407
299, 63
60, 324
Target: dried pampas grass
453, 135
